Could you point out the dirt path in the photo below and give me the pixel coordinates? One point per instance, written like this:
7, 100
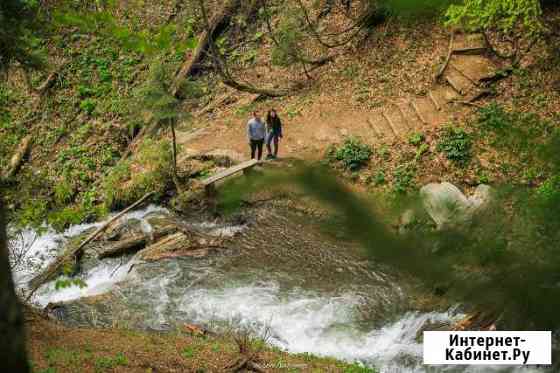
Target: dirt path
323, 122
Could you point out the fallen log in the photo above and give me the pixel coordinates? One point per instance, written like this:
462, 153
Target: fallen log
54, 269
18, 158
182, 243
218, 23
136, 242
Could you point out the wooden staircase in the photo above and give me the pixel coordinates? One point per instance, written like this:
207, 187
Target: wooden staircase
468, 68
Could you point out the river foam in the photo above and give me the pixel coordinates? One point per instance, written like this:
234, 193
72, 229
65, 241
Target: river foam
299, 321
41, 250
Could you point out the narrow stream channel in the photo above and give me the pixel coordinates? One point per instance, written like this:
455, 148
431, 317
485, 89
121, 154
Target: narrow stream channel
279, 278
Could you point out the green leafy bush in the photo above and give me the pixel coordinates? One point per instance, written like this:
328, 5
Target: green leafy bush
88, 105
504, 16
353, 154
549, 191
379, 178
456, 144
288, 35
403, 178
104, 363
416, 138
63, 192
62, 219
494, 117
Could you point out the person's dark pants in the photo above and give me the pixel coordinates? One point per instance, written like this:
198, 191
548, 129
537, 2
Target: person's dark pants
256, 147
273, 138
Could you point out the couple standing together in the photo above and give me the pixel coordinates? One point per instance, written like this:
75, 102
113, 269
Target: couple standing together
258, 132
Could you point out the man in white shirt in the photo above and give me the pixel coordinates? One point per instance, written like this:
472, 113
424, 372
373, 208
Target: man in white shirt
256, 132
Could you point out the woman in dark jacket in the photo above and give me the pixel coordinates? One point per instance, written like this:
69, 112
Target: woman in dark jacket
274, 129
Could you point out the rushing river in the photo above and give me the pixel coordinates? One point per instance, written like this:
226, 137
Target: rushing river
279, 278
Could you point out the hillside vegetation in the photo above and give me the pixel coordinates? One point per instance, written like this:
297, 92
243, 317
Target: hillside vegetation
117, 99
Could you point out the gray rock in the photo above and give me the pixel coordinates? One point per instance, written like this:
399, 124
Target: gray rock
449, 207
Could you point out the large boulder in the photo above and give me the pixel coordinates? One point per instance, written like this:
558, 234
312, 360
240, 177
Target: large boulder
449, 207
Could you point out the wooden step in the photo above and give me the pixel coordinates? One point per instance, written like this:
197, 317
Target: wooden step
469, 43
441, 95
458, 81
410, 115
476, 68
376, 132
428, 113
379, 124
397, 121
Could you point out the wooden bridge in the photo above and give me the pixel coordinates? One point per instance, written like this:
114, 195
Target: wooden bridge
245, 167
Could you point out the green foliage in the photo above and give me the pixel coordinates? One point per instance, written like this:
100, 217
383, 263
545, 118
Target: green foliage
416, 138
108, 362
67, 281
421, 150
33, 213
456, 144
413, 9
146, 42
549, 191
379, 178
88, 106
155, 97
64, 218
515, 131
188, 352
149, 170
18, 38
288, 35
64, 357
403, 178
353, 154
505, 16
358, 368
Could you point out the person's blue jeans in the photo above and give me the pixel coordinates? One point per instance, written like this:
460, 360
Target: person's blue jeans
273, 137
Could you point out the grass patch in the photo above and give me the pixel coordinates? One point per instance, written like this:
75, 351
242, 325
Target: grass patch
110, 362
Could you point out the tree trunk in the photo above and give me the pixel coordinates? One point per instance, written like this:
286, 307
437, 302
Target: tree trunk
174, 136
218, 23
12, 343
136, 243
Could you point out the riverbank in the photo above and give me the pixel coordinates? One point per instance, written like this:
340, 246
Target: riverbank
279, 276
54, 347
